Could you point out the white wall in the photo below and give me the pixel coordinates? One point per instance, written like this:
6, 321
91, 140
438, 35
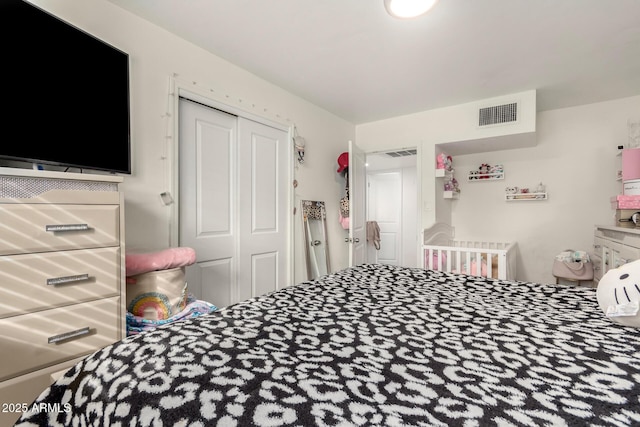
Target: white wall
575, 153
156, 56
575, 157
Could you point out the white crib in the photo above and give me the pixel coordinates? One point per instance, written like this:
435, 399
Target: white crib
441, 252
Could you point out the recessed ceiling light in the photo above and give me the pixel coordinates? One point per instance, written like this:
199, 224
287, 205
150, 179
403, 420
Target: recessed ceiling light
408, 8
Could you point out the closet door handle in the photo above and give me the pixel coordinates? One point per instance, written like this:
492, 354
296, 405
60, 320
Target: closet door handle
67, 279
67, 335
66, 227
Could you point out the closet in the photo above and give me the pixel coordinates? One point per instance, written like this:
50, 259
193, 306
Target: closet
233, 203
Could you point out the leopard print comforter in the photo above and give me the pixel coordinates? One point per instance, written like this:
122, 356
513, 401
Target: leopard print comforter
371, 345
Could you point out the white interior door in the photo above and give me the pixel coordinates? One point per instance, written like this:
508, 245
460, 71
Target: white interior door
392, 201
357, 222
384, 205
263, 258
207, 205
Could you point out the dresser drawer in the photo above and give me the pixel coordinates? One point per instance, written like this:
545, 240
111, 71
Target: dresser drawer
33, 282
26, 228
33, 341
629, 238
19, 392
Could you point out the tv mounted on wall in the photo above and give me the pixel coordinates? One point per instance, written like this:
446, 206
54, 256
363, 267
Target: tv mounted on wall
66, 93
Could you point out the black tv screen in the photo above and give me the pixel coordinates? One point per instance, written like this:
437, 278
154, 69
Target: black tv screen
66, 93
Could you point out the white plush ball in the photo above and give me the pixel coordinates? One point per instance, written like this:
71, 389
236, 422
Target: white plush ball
619, 294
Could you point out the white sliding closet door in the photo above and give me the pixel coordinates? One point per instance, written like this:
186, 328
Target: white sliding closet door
263, 210
233, 204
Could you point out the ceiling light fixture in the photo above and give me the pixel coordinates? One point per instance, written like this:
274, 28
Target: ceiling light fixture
408, 8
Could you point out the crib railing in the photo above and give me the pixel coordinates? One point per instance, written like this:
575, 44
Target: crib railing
485, 259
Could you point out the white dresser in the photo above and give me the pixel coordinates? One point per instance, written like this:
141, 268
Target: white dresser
614, 246
61, 277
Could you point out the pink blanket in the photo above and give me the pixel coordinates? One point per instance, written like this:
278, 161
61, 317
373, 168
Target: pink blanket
161, 260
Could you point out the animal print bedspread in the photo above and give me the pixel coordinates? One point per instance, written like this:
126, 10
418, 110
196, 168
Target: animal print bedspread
373, 345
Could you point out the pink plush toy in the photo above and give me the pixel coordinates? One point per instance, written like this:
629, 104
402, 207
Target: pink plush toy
474, 268
435, 265
473, 271
444, 162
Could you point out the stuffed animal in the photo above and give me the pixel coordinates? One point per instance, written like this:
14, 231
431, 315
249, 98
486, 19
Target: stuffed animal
435, 263
618, 294
511, 192
454, 185
473, 271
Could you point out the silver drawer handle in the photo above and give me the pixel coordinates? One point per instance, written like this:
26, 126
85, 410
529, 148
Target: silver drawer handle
67, 279
67, 227
72, 334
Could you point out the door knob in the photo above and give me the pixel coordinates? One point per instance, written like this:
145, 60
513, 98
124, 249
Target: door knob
356, 240
315, 243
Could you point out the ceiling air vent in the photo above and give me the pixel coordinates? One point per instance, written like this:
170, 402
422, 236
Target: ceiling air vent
402, 153
498, 114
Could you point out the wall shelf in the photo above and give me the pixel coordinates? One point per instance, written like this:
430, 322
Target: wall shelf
513, 197
483, 177
451, 194
440, 173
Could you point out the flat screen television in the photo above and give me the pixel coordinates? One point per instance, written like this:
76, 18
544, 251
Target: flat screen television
66, 93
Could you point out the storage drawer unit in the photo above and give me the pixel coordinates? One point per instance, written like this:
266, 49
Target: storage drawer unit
613, 247
62, 275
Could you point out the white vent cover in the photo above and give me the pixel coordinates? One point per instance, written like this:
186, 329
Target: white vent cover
498, 114
402, 153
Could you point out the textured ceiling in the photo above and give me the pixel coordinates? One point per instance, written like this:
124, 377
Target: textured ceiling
354, 60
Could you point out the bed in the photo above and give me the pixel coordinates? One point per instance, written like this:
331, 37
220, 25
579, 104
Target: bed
369, 345
478, 258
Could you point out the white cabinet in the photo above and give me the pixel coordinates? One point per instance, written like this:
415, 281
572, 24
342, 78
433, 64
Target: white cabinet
61, 276
614, 246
